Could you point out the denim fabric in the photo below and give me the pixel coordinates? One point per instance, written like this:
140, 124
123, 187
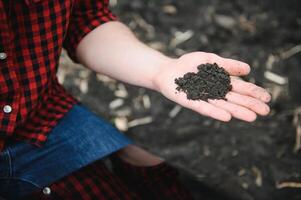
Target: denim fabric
80, 138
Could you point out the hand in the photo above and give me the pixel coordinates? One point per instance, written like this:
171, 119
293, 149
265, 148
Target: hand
245, 101
137, 156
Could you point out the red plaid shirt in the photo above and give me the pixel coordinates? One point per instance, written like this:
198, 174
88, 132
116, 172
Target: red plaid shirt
32, 35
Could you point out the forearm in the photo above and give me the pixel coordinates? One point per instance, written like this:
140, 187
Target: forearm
113, 50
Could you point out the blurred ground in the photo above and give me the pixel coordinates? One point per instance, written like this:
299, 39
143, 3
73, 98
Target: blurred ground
237, 160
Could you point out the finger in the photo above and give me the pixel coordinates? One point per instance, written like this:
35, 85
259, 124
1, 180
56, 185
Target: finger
205, 108
236, 111
250, 89
209, 110
249, 102
233, 67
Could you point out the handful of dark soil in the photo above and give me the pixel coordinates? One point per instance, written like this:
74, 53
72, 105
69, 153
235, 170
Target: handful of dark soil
210, 82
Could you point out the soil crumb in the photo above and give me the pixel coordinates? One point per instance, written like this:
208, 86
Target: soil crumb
210, 82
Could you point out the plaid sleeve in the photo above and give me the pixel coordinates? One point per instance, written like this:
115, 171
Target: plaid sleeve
86, 16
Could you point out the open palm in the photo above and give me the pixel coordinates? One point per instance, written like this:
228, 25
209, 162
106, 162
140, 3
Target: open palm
244, 102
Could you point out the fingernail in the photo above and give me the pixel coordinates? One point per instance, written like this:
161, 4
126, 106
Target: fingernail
252, 118
267, 110
267, 98
247, 66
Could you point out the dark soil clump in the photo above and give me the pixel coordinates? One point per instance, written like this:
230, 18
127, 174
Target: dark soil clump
210, 82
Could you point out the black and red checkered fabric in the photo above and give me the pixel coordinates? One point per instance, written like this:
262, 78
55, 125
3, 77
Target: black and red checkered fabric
32, 35
152, 182
96, 181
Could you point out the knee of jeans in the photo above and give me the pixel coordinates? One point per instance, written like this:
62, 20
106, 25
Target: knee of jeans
14, 189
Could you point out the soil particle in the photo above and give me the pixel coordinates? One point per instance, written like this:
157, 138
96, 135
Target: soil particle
210, 82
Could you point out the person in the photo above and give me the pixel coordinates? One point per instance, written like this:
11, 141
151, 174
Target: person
52, 147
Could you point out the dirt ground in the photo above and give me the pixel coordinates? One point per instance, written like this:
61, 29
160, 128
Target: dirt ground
236, 160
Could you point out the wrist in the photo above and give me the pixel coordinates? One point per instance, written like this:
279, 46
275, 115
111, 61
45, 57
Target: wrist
164, 63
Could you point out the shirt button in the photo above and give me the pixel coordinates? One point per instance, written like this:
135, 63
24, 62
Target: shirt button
47, 191
3, 56
7, 109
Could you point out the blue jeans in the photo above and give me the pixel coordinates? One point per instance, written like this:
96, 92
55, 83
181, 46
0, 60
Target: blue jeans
79, 139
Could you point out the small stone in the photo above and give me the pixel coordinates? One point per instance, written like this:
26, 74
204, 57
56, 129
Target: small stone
225, 21
116, 103
170, 9
121, 123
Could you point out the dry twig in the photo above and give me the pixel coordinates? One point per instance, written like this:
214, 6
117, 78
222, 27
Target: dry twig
297, 124
288, 185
